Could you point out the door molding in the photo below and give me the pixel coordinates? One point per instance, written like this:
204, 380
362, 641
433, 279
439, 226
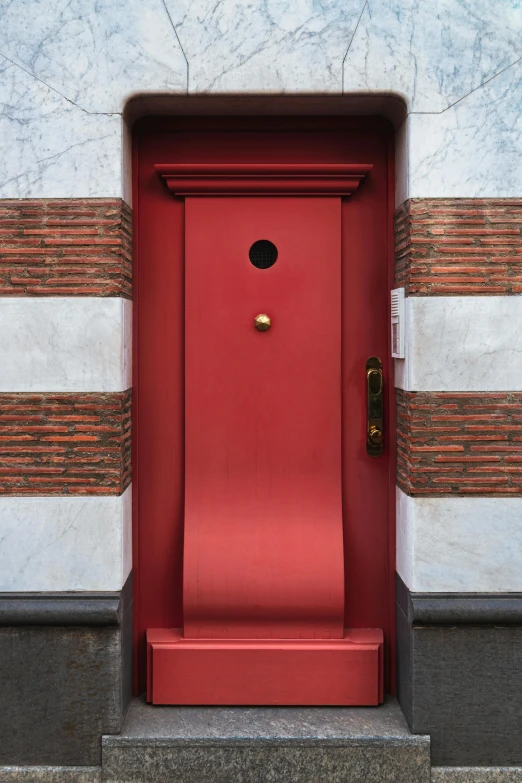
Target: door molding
243, 179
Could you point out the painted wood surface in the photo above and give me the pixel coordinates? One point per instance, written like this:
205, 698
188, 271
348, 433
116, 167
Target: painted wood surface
263, 509
301, 179
159, 348
344, 671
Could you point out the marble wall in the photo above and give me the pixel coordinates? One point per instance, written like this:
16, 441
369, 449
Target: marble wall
67, 70
65, 543
463, 544
461, 343
64, 344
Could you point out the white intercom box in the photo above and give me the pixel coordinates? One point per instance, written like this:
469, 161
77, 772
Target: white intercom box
397, 323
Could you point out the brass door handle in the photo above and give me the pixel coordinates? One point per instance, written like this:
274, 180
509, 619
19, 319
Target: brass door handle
375, 435
374, 407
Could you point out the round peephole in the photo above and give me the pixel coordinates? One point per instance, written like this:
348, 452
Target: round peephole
263, 254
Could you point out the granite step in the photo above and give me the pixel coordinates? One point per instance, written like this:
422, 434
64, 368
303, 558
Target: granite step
265, 745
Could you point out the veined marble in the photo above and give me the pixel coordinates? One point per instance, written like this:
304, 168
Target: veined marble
69, 67
401, 163
95, 54
461, 343
65, 543
126, 175
459, 544
98, 55
432, 53
51, 148
63, 344
474, 149
270, 46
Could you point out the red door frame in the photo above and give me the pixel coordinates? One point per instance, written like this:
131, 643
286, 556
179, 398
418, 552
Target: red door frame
359, 124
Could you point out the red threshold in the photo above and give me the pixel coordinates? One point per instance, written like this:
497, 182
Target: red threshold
347, 671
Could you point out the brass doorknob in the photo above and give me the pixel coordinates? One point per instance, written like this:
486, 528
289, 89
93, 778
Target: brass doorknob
262, 322
375, 435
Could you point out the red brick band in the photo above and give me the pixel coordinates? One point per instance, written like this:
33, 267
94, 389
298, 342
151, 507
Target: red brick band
464, 443
459, 247
65, 444
73, 247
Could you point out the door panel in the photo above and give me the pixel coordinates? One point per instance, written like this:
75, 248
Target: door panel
263, 508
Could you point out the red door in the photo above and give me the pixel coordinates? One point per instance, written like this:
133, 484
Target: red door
266, 523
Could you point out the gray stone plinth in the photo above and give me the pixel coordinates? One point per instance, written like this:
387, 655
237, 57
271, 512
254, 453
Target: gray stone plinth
460, 683
265, 744
63, 686
476, 775
50, 775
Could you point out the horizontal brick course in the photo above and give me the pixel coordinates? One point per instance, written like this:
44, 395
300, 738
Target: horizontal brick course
74, 247
446, 247
459, 443
65, 444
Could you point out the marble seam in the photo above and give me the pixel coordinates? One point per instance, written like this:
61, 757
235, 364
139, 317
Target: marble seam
120, 113
177, 26
50, 87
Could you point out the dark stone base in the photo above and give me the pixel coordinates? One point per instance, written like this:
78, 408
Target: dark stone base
50, 774
476, 775
265, 744
63, 687
461, 683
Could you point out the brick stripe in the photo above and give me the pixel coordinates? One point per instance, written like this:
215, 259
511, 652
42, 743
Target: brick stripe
459, 246
74, 247
65, 444
459, 443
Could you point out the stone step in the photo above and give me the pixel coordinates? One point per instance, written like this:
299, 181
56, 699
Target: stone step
265, 745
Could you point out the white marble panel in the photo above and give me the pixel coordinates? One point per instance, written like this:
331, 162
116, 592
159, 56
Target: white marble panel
432, 53
65, 543
402, 155
126, 345
404, 538
473, 149
459, 544
269, 46
95, 54
69, 68
126, 175
462, 343
63, 344
51, 148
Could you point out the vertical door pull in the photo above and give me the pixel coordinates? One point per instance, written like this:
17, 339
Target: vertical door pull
374, 407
